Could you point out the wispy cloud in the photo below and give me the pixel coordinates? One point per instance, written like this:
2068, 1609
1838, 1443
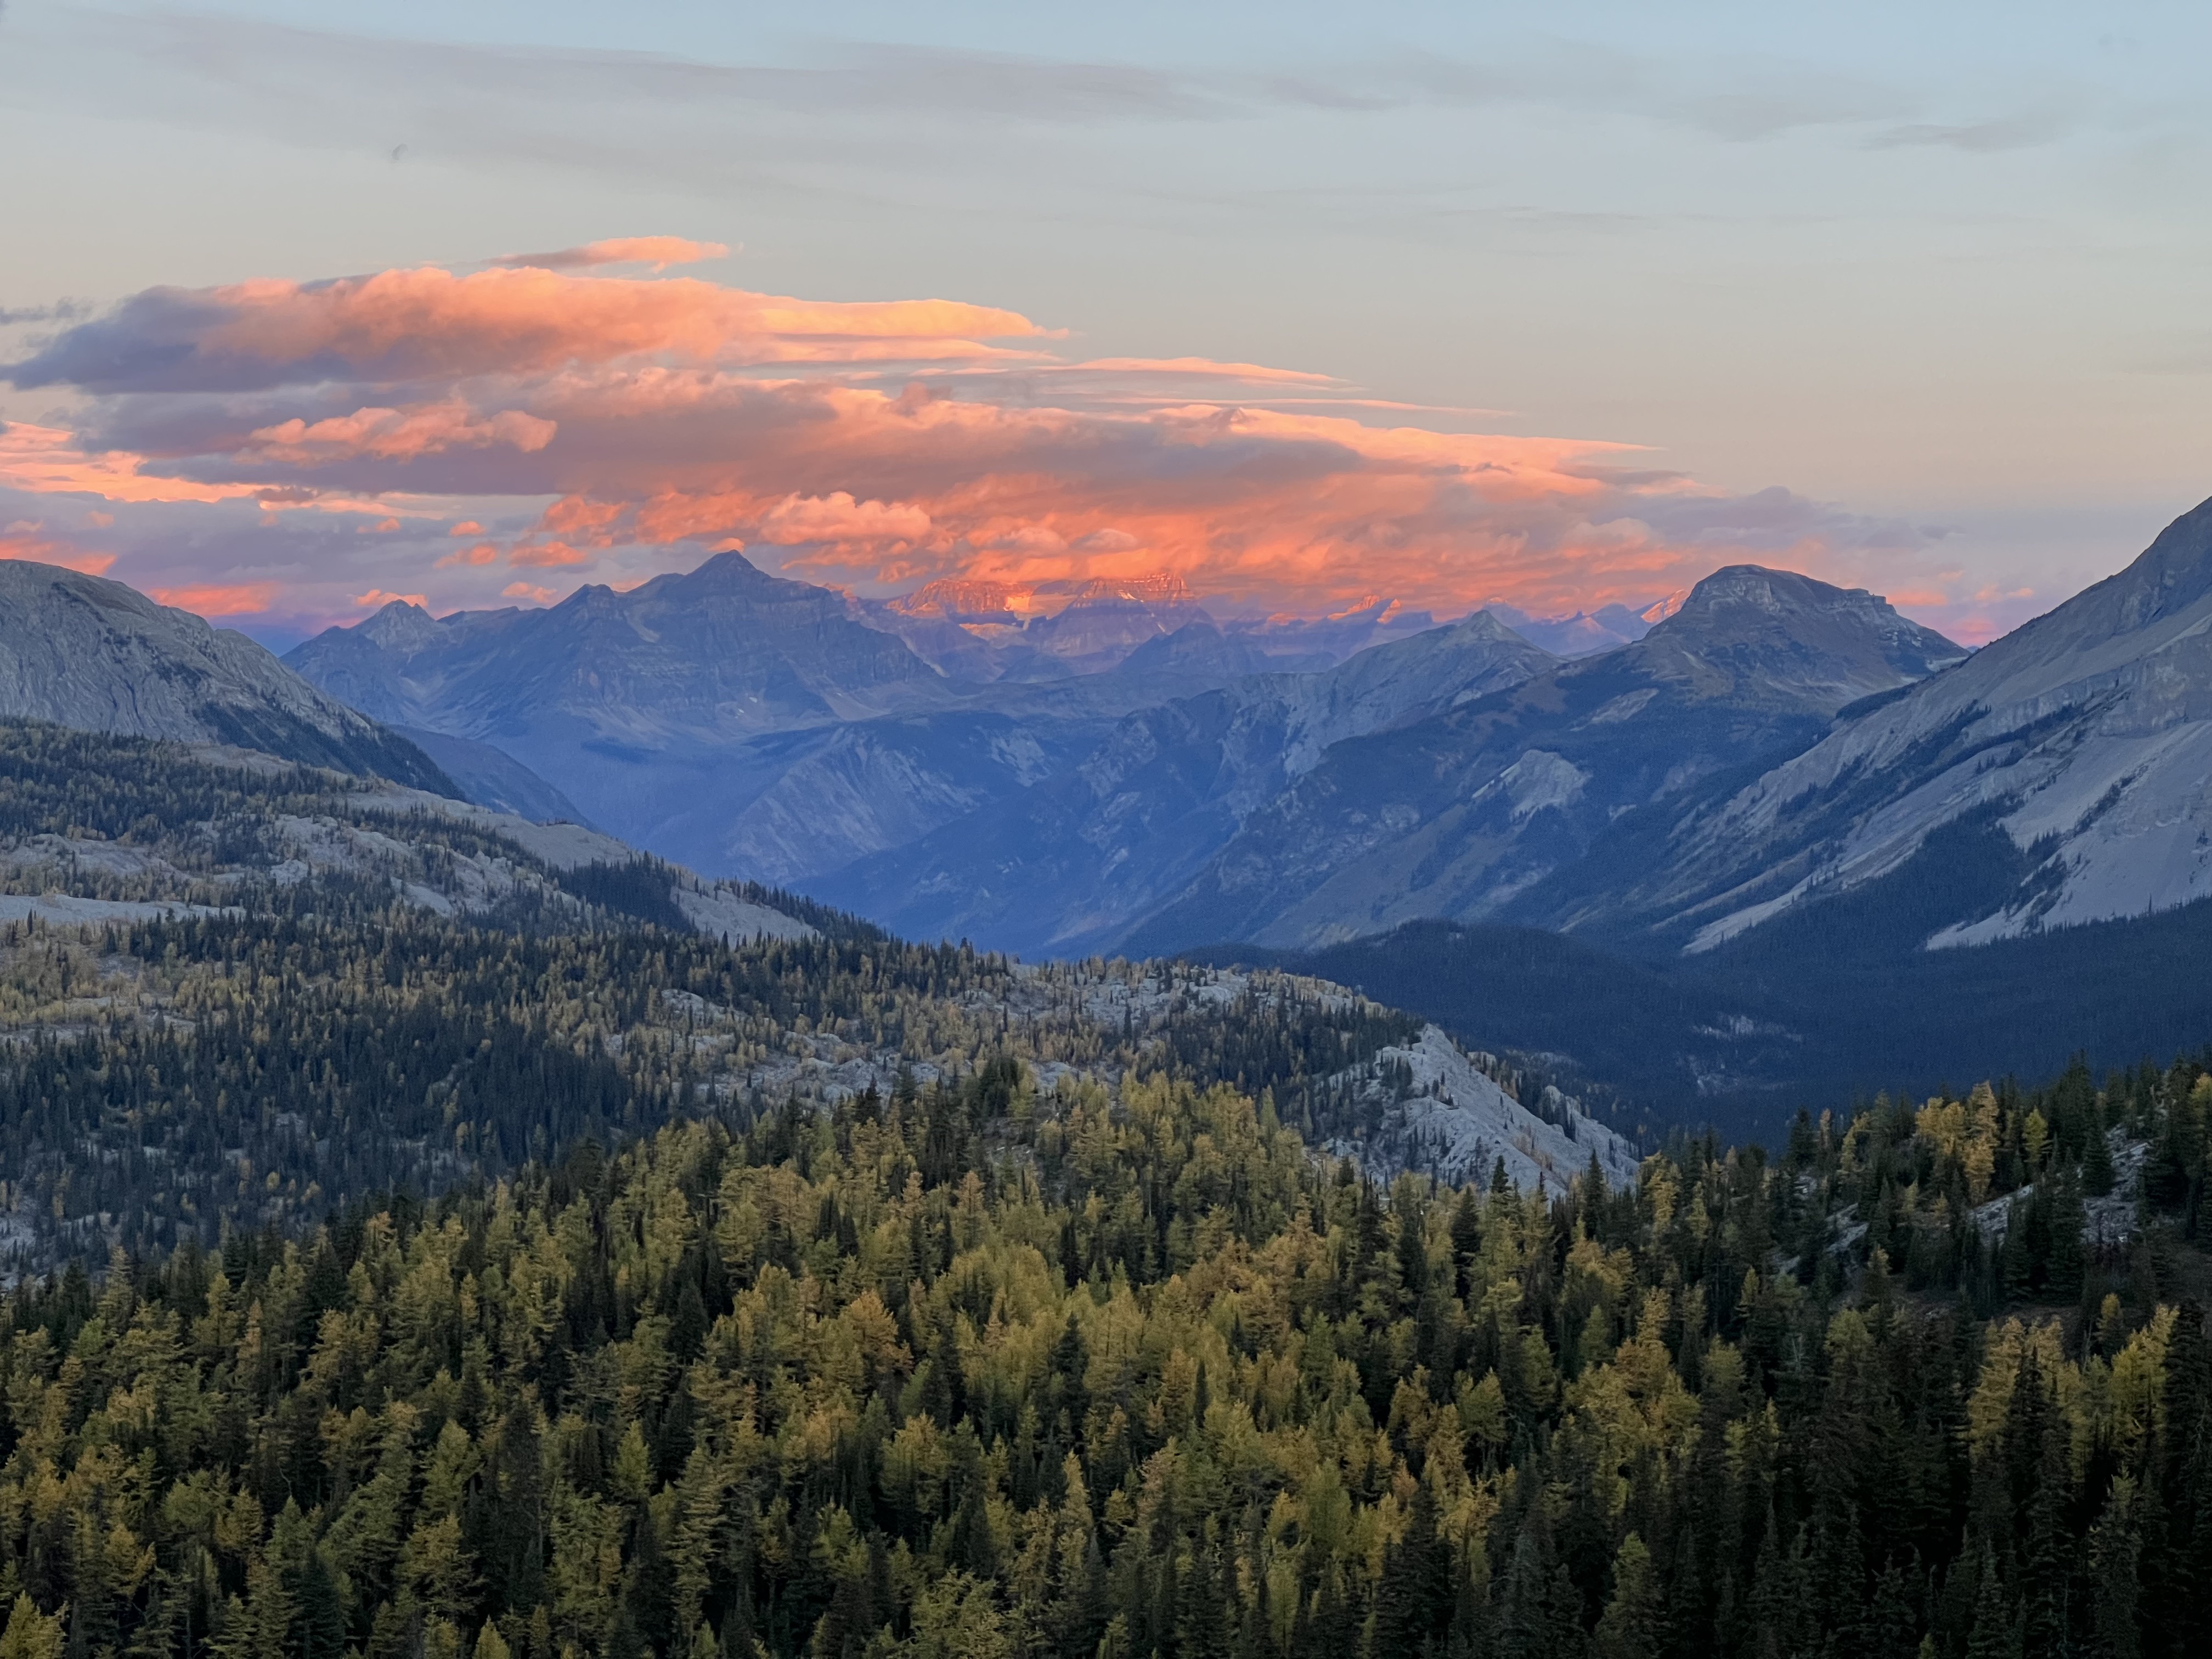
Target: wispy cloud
524, 102
2023, 131
658, 251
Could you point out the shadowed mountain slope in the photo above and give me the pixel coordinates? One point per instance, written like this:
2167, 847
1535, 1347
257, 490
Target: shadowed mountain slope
1069, 864
1455, 815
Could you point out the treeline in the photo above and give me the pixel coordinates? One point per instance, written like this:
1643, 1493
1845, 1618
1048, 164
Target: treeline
979, 1371
175, 1077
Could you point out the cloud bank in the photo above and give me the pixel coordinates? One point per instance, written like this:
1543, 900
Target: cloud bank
558, 418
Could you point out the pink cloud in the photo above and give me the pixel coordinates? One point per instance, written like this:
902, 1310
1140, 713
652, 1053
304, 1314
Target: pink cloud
219, 599
1203, 368
524, 591
43, 460
399, 326
394, 434
677, 413
376, 598
838, 518
546, 555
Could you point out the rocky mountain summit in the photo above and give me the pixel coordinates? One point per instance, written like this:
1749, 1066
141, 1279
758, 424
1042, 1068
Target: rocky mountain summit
2063, 774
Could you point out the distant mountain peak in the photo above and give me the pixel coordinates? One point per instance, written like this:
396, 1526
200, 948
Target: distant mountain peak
402, 626
1161, 590
730, 569
1749, 631
958, 598
1757, 586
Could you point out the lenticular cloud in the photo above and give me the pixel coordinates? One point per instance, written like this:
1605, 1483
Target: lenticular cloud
875, 444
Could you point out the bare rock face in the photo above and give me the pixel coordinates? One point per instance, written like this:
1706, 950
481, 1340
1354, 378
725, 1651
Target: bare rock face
2062, 775
82, 652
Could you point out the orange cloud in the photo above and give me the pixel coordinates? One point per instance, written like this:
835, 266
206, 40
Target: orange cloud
546, 555
875, 447
46, 551
220, 600
524, 591
838, 518
431, 325
376, 598
1205, 367
1246, 504
45, 460
394, 434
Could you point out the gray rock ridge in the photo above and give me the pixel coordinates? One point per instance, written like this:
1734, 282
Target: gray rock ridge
83, 652
1458, 814
2084, 737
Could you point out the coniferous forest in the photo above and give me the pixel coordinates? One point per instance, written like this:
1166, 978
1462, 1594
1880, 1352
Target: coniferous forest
400, 1282
982, 1370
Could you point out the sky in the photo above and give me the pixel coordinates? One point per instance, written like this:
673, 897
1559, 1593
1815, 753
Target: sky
305, 307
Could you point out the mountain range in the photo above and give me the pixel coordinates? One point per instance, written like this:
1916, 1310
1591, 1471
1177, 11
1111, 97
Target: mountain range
1773, 772
746, 724
1457, 813
1073, 863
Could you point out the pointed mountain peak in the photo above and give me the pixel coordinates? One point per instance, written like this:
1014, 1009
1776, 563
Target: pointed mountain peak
402, 626
729, 572
1485, 627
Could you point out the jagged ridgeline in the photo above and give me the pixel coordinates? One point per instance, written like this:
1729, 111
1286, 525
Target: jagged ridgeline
972, 1373
236, 992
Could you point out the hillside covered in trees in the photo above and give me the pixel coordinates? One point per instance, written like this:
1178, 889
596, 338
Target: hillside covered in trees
235, 993
986, 1371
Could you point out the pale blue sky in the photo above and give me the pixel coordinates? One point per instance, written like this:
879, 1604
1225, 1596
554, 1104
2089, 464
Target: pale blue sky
1943, 263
